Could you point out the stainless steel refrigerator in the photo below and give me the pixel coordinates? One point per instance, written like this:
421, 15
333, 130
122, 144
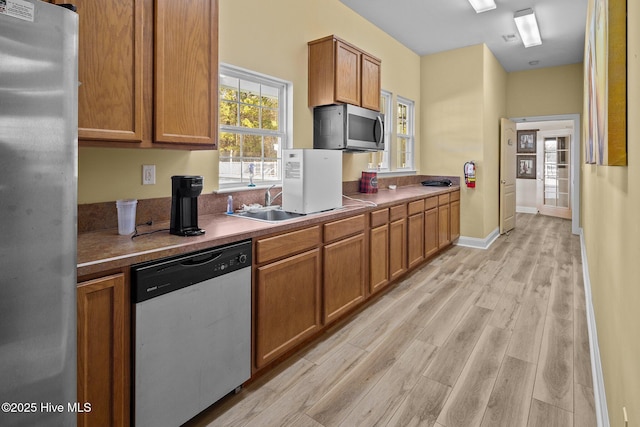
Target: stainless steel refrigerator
38, 213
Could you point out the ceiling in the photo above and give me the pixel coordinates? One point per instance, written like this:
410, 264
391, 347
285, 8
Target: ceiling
431, 26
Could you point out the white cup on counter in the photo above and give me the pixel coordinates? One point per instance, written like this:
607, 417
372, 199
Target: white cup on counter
126, 216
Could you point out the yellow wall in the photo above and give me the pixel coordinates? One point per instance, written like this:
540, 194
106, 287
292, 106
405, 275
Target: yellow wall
495, 98
463, 96
610, 206
269, 37
545, 91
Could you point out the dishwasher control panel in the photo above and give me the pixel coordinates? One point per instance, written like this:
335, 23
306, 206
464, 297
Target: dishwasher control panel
158, 277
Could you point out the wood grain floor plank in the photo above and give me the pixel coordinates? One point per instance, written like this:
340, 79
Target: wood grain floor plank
541, 281
303, 394
453, 355
579, 299
237, 410
379, 405
584, 414
431, 305
371, 336
422, 406
554, 377
446, 319
338, 402
581, 351
511, 397
545, 415
303, 420
344, 330
468, 399
561, 298
506, 311
527, 332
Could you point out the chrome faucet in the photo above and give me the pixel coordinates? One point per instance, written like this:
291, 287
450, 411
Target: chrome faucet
267, 196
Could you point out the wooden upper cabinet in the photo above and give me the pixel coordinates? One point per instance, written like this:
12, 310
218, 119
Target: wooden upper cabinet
110, 71
348, 72
342, 73
186, 71
148, 83
370, 82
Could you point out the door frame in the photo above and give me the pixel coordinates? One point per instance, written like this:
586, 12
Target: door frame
576, 160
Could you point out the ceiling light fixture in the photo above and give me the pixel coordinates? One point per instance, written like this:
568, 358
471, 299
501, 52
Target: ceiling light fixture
528, 27
482, 5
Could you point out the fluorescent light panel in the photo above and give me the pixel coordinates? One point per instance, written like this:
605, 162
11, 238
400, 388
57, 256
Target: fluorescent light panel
528, 27
482, 5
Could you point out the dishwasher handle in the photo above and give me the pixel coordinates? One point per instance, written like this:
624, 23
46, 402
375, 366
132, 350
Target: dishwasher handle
203, 260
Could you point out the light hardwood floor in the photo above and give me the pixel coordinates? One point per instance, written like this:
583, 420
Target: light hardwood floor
472, 338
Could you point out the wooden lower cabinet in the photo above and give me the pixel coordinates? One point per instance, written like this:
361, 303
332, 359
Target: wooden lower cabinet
443, 226
415, 239
378, 257
104, 350
454, 214
397, 248
287, 304
344, 276
430, 232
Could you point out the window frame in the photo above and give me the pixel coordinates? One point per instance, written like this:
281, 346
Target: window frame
409, 136
285, 113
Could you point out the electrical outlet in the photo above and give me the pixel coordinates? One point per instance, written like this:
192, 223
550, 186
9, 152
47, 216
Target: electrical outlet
148, 174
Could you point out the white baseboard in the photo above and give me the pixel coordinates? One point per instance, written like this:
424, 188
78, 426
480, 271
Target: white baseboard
474, 242
526, 209
602, 413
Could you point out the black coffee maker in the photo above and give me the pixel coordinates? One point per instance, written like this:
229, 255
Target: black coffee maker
184, 205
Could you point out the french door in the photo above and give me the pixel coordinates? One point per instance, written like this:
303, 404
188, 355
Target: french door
554, 187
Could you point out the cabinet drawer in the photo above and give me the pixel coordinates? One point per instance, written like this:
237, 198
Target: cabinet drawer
287, 244
432, 202
397, 212
455, 196
345, 227
443, 199
379, 217
416, 207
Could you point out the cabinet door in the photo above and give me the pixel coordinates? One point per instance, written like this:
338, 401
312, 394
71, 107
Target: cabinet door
103, 351
415, 239
443, 226
110, 70
370, 83
347, 77
186, 72
431, 232
455, 220
287, 304
378, 257
397, 248
344, 275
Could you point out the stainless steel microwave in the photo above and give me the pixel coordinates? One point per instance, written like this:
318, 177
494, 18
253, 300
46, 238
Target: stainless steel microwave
347, 127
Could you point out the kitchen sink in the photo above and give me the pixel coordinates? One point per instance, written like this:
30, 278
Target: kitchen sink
270, 215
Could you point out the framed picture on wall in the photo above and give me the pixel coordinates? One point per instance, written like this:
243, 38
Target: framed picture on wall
526, 141
526, 167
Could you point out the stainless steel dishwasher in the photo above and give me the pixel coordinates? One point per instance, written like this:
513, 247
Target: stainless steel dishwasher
192, 339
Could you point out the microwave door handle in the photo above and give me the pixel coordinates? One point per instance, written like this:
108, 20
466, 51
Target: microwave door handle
381, 123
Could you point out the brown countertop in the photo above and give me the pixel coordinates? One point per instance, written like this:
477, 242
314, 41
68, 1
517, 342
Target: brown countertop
105, 250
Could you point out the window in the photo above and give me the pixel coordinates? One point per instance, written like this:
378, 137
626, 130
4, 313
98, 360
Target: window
384, 163
253, 110
405, 133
